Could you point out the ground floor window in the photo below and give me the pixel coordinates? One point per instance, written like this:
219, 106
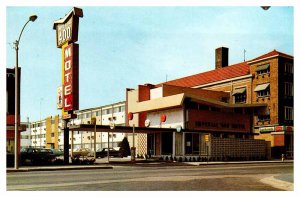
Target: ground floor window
178, 144
195, 144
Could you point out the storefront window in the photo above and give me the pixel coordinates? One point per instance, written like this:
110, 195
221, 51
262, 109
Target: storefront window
192, 143
178, 144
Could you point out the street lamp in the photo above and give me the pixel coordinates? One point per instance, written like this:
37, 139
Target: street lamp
41, 99
16, 43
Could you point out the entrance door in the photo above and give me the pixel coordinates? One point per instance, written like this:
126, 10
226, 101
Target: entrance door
151, 144
166, 143
192, 144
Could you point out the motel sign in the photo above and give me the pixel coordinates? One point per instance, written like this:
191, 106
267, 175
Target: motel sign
66, 36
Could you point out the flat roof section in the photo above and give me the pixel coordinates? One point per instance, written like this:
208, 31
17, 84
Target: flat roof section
128, 129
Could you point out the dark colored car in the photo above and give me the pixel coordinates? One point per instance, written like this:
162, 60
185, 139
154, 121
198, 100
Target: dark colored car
112, 152
36, 156
57, 152
10, 159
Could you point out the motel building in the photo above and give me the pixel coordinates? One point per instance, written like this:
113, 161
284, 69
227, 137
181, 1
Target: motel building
239, 111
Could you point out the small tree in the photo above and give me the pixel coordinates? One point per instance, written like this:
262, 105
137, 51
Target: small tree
124, 147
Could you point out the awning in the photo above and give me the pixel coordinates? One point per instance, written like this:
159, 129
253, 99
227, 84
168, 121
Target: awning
261, 87
239, 91
262, 67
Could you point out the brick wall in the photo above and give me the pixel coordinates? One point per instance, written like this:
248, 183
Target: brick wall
272, 78
238, 148
231, 85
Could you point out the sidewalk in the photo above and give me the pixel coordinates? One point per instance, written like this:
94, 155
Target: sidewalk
103, 164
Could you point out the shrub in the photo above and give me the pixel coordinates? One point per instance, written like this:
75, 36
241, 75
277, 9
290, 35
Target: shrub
124, 147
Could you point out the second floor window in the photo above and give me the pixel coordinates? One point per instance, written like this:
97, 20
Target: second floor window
262, 90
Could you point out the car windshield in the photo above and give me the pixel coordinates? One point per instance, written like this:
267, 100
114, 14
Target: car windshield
44, 150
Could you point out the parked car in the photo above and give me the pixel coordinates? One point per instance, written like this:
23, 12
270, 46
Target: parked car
36, 156
10, 159
81, 152
82, 156
57, 152
112, 152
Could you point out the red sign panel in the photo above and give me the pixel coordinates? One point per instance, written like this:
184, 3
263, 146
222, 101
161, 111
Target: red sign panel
163, 118
71, 80
130, 116
279, 140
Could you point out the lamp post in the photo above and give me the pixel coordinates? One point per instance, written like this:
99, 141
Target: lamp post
41, 99
16, 43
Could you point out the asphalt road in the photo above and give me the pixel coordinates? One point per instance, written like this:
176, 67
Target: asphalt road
157, 177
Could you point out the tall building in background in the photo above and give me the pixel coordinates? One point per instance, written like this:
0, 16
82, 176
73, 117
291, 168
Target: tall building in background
10, 110
48, 133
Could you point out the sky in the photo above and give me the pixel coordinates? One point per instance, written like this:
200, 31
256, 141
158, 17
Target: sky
122, 47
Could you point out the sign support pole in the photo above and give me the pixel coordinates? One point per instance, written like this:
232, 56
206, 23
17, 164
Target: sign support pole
66, 142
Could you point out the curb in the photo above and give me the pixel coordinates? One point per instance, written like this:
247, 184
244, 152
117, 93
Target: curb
279, 184
242, 162
58, 168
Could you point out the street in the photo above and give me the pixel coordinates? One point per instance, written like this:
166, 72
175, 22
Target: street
158, 177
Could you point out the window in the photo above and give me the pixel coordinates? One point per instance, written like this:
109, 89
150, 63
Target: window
203, 107
238, 110
240, 95
108, 111
122, 108
117, 109
52, 134
87, 115
240, 98
263, 69
215, 109
263, 118
263, 93
288, 89
262, 90
53, 121
97, 113
288, 113
288, 68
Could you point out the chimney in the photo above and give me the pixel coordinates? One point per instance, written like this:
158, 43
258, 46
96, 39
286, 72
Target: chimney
221, 57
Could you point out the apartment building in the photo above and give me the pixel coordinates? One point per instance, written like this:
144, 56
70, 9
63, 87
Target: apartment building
48, 132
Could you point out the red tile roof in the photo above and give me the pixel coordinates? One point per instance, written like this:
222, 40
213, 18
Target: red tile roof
212, 76
272, 53
220, 74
